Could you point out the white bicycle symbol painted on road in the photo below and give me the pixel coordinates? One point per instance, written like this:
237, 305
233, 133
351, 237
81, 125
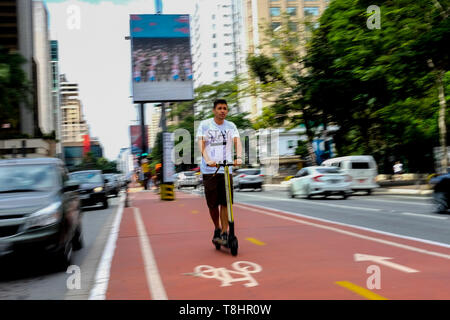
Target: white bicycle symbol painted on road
242, 272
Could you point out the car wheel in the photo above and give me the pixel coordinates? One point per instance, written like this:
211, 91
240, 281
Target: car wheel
291, 194
344, 195
369, 192
308, 193
239, 188
440, 204
77, 241
105, 204
63, 256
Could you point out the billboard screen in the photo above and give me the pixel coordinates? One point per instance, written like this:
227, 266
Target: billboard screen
161, 58
136, 139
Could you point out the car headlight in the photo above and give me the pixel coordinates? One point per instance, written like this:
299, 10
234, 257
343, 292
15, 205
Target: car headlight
98, 189
44, 217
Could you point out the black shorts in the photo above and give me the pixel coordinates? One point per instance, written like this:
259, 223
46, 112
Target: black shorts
215, 190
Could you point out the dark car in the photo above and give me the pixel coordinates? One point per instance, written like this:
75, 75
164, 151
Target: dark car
92, 187
39, 209
441, 193
113, 185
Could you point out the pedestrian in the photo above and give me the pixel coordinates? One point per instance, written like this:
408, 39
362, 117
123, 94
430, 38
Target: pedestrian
398, 167
215, 137
398, 170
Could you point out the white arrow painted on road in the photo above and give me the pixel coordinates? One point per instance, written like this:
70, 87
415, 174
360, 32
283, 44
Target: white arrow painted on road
382, 260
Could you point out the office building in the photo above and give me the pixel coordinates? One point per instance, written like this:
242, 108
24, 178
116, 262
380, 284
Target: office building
44, 75
73, 127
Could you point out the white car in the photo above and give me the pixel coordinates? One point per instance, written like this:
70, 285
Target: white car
187, 179
248, 179
318, 180
362, 169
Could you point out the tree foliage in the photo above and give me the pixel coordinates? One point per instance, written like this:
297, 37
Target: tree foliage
14, 90
379, 86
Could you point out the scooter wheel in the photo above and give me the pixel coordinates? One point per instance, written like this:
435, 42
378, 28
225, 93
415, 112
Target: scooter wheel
234, 247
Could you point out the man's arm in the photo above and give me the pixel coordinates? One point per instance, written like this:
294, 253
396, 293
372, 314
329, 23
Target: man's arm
201, 146
238, 148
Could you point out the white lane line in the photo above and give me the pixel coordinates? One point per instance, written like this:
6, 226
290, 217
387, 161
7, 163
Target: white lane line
349, 233
312, 202
400, 202
154, 282
423, 215
98, 291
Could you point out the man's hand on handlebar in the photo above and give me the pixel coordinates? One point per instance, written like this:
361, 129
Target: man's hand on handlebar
211, 164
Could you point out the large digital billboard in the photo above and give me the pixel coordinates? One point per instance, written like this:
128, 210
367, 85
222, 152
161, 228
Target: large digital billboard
161, 58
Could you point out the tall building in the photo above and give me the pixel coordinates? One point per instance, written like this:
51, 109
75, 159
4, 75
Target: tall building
258, 14
73, 125
54, 60
217, 44
16, 35
43, 66
154, 125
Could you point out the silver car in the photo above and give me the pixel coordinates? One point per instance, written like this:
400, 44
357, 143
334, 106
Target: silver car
325, 181
248, 179
187, 179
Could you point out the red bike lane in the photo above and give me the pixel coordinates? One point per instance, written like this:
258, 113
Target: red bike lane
164, 251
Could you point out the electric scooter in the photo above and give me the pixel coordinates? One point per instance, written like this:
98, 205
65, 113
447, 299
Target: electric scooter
232, 242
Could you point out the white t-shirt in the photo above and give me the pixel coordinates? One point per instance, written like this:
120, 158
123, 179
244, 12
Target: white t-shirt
215, 135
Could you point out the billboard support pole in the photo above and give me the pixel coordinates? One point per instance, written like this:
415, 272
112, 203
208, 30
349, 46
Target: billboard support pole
143, 133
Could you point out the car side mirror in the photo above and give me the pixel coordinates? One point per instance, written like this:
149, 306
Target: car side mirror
71, 185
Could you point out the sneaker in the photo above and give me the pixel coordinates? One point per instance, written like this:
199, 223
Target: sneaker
224, 238
216, 236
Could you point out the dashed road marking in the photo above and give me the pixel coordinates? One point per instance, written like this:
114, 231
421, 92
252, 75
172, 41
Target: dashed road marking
360, 290
256, 241
423, 215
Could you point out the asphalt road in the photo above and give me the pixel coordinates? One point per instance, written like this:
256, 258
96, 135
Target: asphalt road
29, 278
408, 216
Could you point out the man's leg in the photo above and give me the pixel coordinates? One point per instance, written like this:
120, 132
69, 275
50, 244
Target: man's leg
214, 213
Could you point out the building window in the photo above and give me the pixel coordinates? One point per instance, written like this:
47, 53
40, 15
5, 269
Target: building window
213, 16
216, 64
311, 11
275, 12
276, 26
214, 35
214, 45
214, 26
216, 74
292, 11
292, 26
215, 55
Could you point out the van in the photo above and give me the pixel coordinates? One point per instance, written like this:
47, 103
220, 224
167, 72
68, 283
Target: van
362, 169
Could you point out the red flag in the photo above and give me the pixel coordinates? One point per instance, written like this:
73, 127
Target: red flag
86, 144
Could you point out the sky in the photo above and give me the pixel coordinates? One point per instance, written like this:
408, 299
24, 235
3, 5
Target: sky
93, 52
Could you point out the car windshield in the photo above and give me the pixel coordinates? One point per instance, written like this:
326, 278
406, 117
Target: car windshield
328, 170
253, 172
87, 177
28, 178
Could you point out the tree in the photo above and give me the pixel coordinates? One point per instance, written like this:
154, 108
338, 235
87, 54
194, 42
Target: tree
14, 90
379, 87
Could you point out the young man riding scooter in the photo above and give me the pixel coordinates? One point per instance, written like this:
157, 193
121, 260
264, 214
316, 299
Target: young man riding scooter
215, 137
